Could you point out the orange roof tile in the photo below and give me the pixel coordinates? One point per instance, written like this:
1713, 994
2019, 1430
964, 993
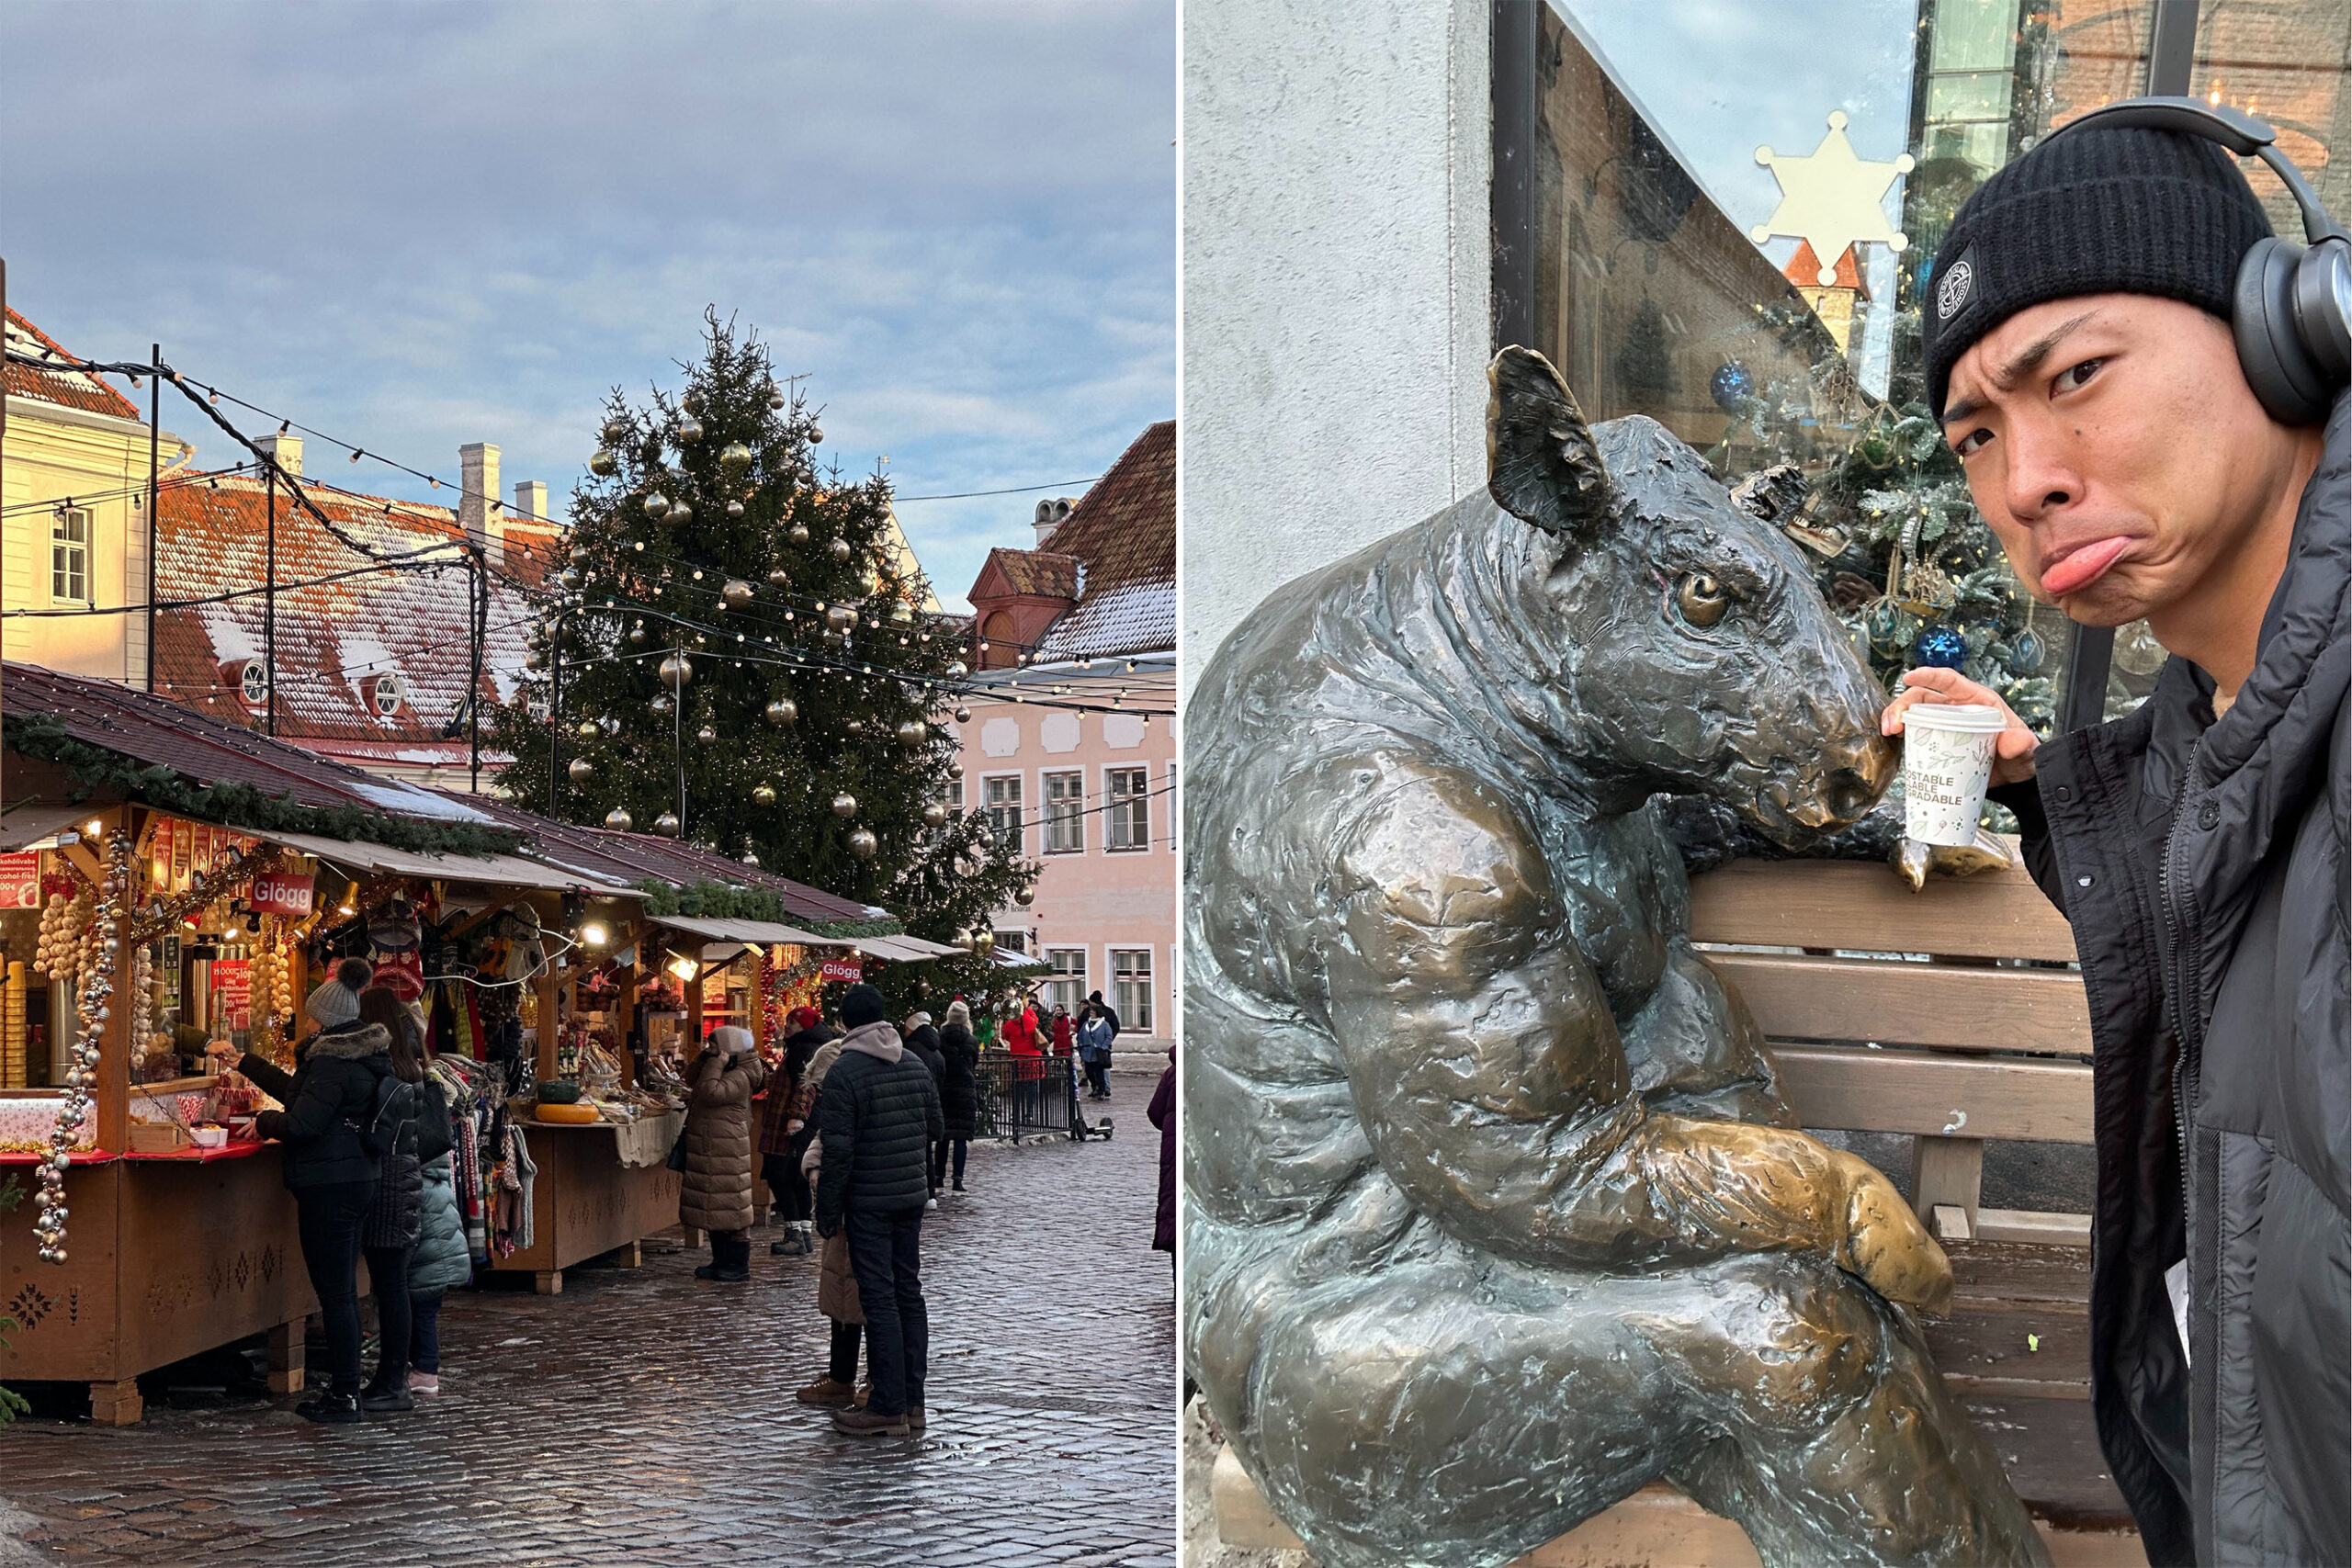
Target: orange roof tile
68, 388
1043, 572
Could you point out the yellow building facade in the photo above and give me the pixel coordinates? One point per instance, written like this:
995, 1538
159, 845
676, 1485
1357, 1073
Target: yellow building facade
72, 517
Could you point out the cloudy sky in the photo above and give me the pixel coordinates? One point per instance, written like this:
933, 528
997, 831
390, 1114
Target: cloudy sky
416, 226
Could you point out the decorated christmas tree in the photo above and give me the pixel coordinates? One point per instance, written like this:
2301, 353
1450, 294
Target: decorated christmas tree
736, 653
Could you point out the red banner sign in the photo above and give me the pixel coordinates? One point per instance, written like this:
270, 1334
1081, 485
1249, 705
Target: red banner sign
282, 893
847, 969
20, 882
232, 991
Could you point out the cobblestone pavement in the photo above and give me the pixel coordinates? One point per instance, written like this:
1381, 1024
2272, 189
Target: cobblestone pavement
645, 1417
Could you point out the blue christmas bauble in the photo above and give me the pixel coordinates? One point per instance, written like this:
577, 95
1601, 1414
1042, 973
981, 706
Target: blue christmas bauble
1939, 646
2026, 652
1731, 386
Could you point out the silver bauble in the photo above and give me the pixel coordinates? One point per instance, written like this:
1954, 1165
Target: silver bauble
839, 549
706, 735
580, 768
734, 508
609, 725
779, 578
844, 805
934, 815
737, 593
600, 464
958, 669
667, 825
855, 726
587, 727
619, 820
775, 396
570, 580
637, 636
689, 432
902, 613
783, 711
913, 732
800, 535
840, 617
816, 436
863, 844
752, 859
662, 702
657, 505
735, 457
763, 794
676, 671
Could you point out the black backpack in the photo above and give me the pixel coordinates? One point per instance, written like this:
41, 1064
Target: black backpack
395, 1105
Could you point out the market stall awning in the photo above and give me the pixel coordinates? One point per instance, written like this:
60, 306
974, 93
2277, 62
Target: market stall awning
505, 871
36, 820
750, 933
902, 949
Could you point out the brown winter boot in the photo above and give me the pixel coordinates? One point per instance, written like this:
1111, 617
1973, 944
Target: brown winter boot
867, 1424
825, 1391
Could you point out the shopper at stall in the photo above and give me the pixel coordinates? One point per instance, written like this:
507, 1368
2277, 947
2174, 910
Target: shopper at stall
328, 1099
395, 1219
959, 1094
441, 1260
715, 1194
878, 1116
923, 1039
783, 1123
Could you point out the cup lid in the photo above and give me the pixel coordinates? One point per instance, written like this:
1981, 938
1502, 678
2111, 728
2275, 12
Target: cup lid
1972, 718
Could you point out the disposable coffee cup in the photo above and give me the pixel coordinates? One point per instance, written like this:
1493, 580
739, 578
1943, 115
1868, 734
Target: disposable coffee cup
1947, 764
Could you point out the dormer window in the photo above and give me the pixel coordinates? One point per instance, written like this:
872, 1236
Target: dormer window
253, 682
386, 692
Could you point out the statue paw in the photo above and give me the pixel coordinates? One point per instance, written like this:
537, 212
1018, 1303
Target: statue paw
1886, 1245
1913, 861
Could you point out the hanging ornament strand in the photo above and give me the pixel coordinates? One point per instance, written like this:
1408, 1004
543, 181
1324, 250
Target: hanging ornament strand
93, 1008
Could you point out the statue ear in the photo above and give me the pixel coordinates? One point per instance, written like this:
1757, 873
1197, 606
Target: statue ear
1773, 495
1542, 465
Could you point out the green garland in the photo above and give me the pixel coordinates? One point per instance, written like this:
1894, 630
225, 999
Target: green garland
233, 805
718, 901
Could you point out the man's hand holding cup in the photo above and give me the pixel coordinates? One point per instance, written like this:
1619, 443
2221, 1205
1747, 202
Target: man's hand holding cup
2012, 748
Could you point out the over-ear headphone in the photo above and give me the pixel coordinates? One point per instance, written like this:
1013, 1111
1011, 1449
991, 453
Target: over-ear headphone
2292, 311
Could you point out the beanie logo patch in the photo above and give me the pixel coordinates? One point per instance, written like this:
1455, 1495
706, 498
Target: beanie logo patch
1952, 292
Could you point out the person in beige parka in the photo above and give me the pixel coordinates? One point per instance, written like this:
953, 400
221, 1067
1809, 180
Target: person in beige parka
715, 1194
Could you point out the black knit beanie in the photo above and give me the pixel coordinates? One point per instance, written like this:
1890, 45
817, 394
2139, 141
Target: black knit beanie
2101, 210
862, 1005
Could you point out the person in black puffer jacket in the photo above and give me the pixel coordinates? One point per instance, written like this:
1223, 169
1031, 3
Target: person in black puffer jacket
396, 1218
785, 1132
878, 1115
923, 1040
327, 1099
960, 1087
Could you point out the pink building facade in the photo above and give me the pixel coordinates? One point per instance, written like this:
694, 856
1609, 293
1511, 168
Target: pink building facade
1071, 743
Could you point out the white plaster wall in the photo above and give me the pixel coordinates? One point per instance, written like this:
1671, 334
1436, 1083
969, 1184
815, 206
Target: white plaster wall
1336, 280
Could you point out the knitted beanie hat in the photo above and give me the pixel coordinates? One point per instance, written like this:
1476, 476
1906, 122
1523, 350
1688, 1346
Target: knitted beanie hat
2107, 210
337, 1001
862, 1005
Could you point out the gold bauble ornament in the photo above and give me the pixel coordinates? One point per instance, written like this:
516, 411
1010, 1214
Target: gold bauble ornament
913, 732
962, 715
839, 549
844, 805
735, 457
619, 820
615, 432
863, 844
783, 711
800, 534
737, 593
667, 825
763, 794
581, 769
954, 767
600, 464
692, 402
1025, 897
934, 815
657, 505
706, 735
676, 671
680, 512
689, 432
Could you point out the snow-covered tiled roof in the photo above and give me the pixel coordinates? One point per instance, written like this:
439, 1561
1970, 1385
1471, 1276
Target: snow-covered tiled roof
68, 388
1123, 531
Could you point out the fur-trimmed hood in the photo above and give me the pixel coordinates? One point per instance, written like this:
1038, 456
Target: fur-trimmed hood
354, 1044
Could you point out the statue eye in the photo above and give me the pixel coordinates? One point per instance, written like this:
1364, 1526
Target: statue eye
1701, 599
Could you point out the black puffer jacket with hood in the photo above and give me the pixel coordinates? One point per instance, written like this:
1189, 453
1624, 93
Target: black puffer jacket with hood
328, 1097
2201, 863
878, 1115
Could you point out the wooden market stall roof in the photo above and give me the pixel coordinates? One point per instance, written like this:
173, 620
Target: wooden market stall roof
745, 934
156, 731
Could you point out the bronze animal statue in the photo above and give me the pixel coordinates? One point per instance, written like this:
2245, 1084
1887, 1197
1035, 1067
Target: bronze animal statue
1494, 1213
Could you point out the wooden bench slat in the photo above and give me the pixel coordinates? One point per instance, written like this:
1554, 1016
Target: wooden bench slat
1800, 997
1984, 1349
1849, 1088
1855, 904
2011, 1271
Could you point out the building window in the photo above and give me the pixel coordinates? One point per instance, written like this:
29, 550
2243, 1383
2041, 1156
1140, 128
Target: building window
1131, 988
68, 556
1067, 988
253, 682
1128, 814
1012, 941
1065, 813
1004, 811
390, 692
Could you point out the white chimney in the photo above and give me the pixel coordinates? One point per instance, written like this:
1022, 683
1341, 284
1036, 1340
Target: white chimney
287, 449
1052, 515
479, 508
531, 498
